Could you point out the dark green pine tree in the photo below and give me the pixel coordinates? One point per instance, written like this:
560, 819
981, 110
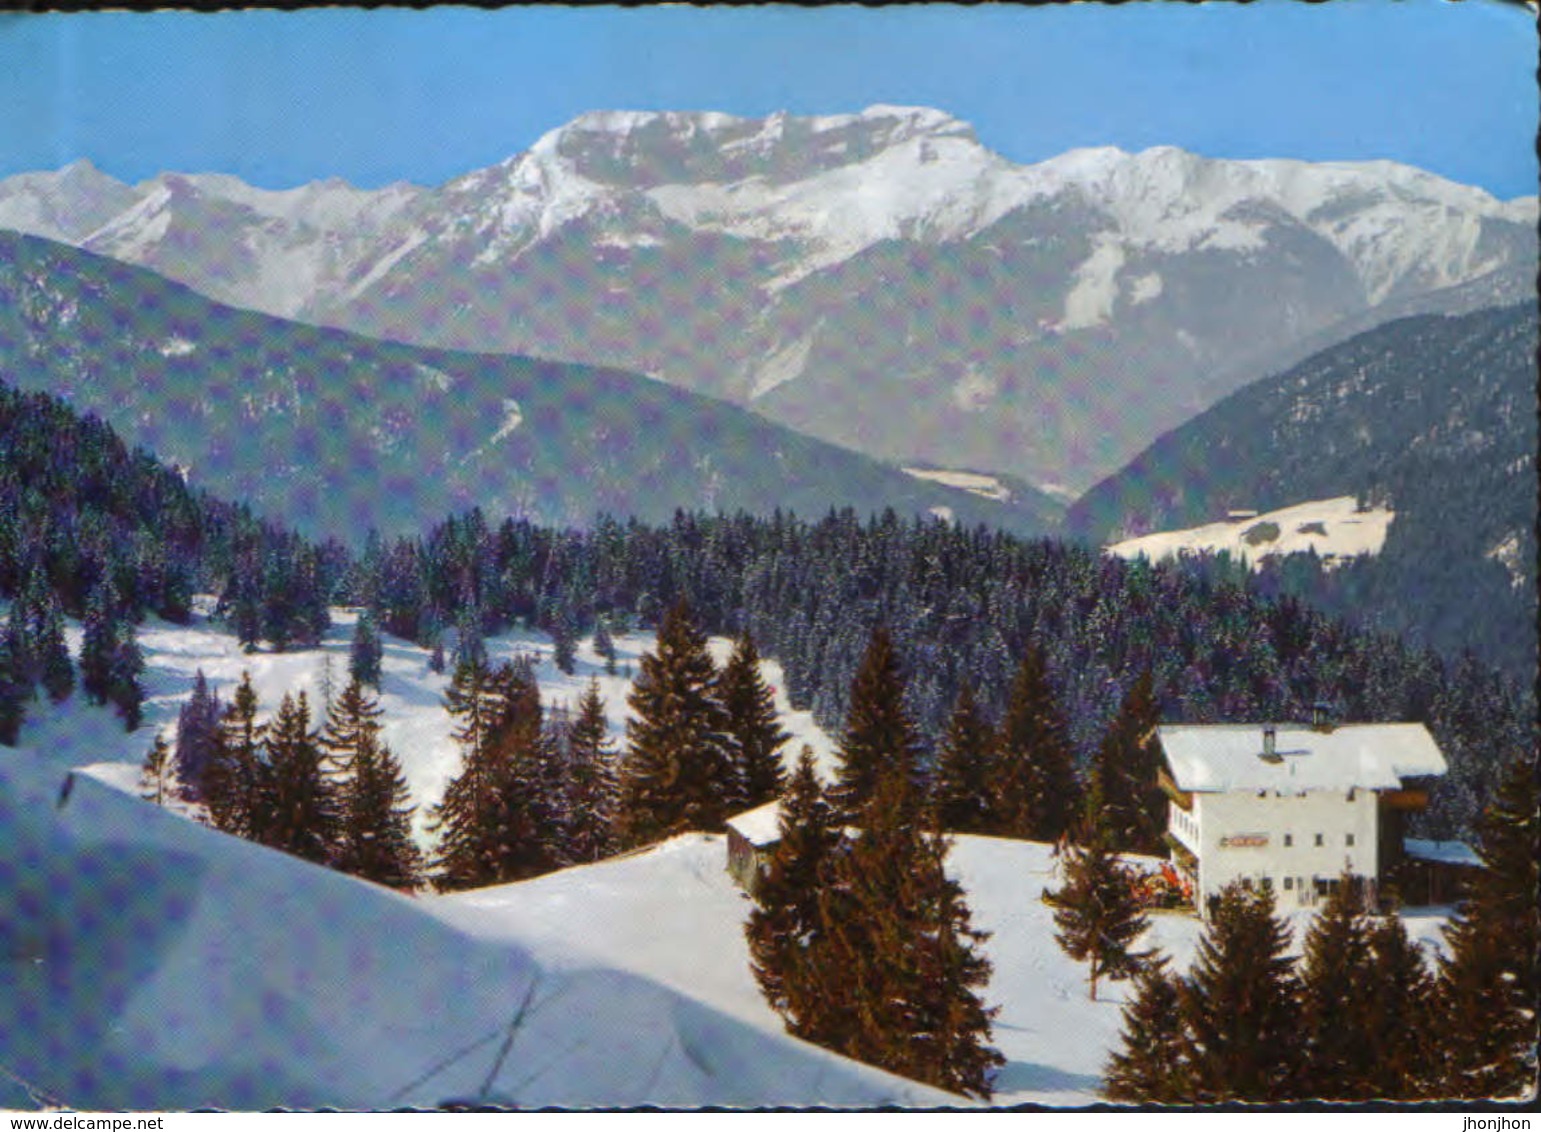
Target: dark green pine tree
14, 689
365, 651
1241, 1004
303, 815
375, 840
489, 824
604, 645
235, 780
1127, 762
1487, 983
352, 719
963, 787
784, 924
1151, 1066
593, 782
1037, 796
564, 644
1337, 971
895, 970
1400, 1008
678, 773
754, 732
99, 640
1097, 910
879, 735
157, 777
56, 671
125, 668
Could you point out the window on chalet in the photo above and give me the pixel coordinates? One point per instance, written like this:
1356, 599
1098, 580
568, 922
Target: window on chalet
1318, 839
1289, 884
1350, 840
1289, 839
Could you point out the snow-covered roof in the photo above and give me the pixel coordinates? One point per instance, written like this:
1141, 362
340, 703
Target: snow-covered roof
1442, 852
1365, 756
759, 826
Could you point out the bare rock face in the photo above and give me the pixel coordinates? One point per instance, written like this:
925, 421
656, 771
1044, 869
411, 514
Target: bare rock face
880, 279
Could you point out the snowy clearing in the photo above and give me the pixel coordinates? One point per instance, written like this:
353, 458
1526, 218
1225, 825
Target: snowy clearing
1334, 528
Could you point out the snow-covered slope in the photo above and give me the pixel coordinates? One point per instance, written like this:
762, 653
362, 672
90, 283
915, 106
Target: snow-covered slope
153, 963
1335, 529
836, 270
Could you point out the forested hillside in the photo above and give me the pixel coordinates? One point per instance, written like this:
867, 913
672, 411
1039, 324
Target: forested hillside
963, 607
1433, 417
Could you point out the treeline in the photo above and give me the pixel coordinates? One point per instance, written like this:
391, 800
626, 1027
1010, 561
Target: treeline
965, 606
1359, 1016
540, 787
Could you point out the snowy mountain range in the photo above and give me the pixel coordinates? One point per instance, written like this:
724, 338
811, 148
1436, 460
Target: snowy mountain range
879, 279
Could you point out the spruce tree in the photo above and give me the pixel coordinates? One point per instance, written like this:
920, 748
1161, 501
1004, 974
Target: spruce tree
895, 972
1401, 1020
365, 651
303, 814
604, 645
754, 732
14, 690
375, 830
1150, 1066
1240, 1004
353, 719
1487, 983
879, 735
157, 777
56, 671
1037, 794
125, 667
1126, 766
963, 786
593, 782
235, 781
197, 736
784, 925
1098, 912
1337, 973
678, 773
564, 642
489, 821
98, 642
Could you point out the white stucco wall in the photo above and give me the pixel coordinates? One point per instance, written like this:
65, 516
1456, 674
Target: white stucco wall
1272, 818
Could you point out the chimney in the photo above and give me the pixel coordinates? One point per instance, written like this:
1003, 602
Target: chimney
1270, 742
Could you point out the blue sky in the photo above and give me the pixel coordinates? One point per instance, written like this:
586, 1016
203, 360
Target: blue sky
279, 98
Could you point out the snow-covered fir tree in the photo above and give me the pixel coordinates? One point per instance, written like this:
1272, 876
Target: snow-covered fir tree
302, 805
365, 651
197, 736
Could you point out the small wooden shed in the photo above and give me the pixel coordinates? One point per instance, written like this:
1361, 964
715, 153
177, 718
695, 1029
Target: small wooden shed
752, 837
